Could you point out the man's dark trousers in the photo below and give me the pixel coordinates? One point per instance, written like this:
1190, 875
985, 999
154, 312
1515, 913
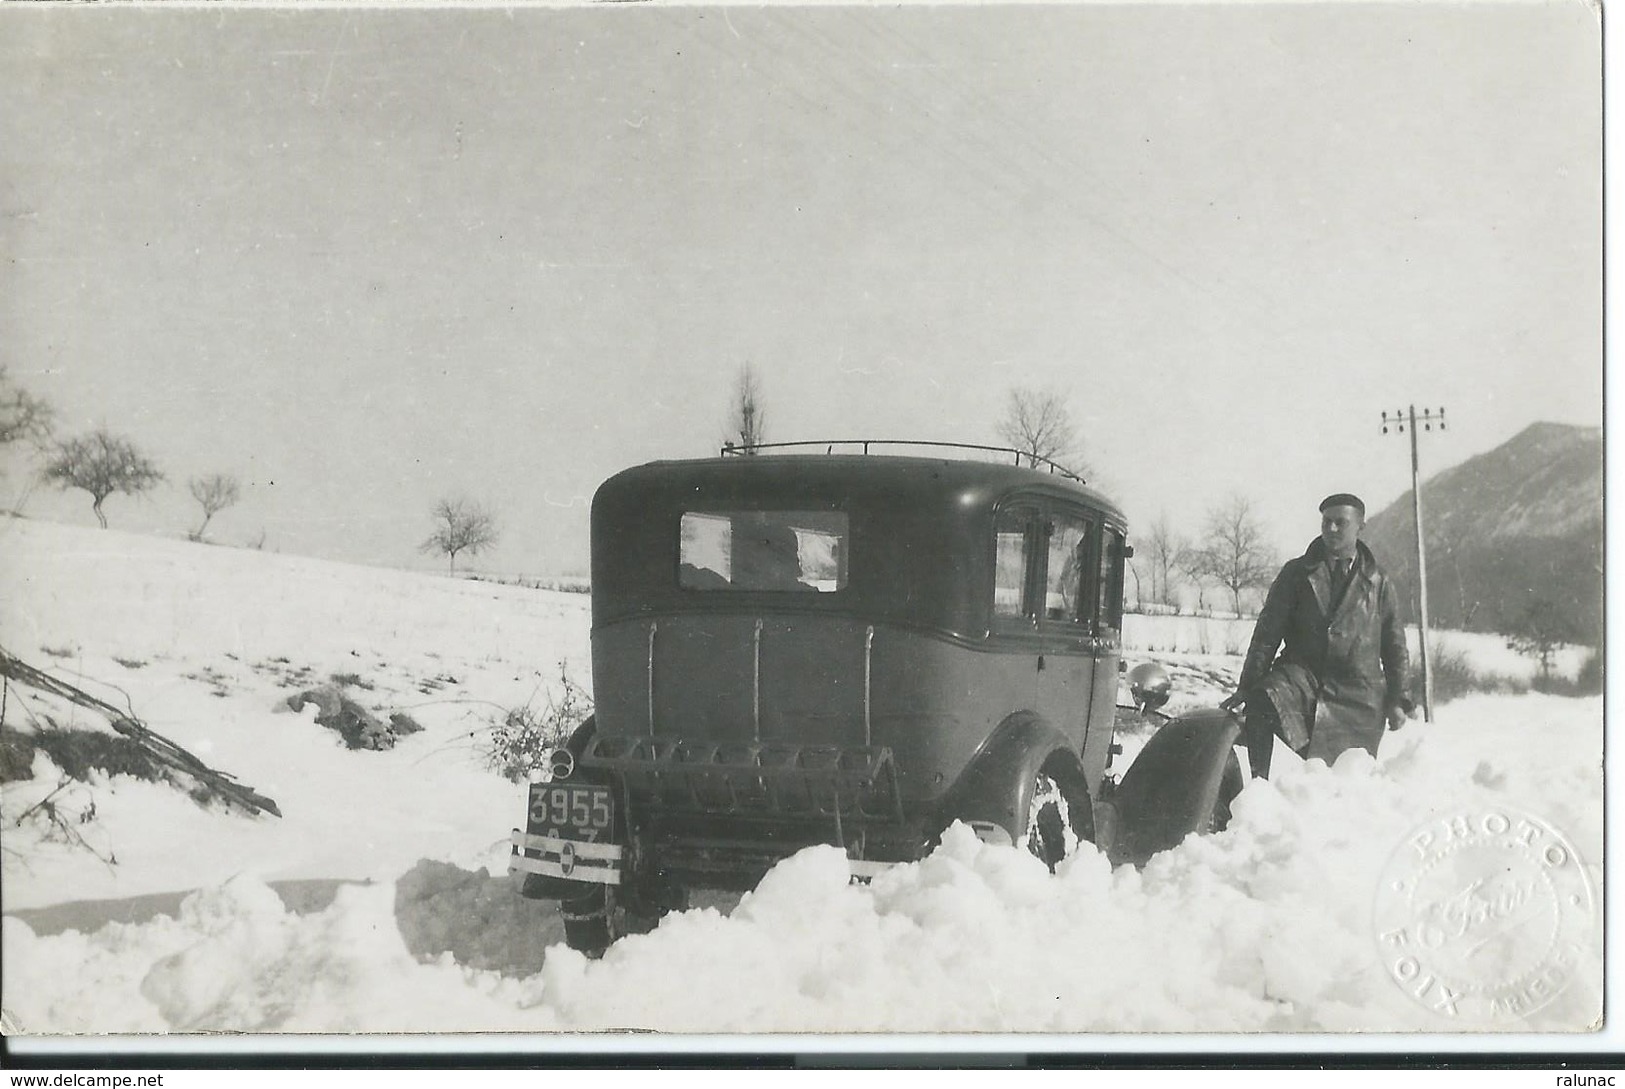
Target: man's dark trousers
1258, 729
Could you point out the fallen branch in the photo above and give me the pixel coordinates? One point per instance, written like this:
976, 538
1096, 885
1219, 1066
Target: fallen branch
157, 746
58, 824
43, 803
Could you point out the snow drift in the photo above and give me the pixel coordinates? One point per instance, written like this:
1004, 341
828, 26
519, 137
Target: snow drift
1267, 926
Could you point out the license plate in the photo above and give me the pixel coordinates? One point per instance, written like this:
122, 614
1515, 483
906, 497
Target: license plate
582, 811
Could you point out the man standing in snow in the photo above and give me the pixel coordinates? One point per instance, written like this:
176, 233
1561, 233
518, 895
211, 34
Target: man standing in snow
1343, 672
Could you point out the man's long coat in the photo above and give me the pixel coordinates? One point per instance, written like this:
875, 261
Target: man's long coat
1345, 660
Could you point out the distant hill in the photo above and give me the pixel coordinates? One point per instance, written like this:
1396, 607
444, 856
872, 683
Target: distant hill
1509, 529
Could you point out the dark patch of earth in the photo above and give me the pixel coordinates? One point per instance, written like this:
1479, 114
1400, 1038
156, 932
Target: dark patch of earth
302, 897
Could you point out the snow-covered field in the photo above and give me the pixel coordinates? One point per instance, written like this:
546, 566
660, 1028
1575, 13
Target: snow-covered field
1268, 926
1488, 653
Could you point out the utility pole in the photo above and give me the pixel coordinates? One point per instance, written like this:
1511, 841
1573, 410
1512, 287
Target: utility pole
1427, 419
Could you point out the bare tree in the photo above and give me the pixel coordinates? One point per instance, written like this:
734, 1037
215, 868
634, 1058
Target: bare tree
460, 526
747, 416
24, 419
1194, 565
1236, 554
1038, 423
214, 493
1168, 555
23, 416
100, 463
1134, 572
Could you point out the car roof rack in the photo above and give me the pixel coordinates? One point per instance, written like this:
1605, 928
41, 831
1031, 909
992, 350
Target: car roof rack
1035, 461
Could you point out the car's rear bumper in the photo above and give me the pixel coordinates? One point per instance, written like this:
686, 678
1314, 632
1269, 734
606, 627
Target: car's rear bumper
565, 859
691, 855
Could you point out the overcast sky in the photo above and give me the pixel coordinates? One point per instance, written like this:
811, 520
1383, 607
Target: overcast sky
365, 258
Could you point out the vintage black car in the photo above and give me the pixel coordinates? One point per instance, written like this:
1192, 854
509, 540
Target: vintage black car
853, 649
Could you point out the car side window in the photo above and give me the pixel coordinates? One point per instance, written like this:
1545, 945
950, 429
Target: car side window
1011, 562
1064, 596
1112, 558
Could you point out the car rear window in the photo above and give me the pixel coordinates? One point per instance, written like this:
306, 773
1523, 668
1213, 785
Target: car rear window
787, 551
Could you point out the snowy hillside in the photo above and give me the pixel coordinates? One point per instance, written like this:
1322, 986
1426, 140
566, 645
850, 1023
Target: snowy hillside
1268, 926
206, 643
1510, 529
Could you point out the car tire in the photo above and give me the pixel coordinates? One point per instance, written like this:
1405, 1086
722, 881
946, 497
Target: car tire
592, 922
595, 921
1051, 835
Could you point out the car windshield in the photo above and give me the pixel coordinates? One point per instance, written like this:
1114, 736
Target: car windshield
773, 550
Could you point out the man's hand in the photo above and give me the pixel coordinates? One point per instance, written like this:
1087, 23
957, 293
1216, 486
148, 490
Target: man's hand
1399, 712
1233, 704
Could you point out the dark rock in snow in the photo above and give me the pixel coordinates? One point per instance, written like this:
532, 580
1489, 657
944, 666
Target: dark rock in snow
327, 699
404, 724
481, 920
360, 728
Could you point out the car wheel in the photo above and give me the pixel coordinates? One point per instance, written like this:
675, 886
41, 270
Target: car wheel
1050, 835
593, 921
648, 903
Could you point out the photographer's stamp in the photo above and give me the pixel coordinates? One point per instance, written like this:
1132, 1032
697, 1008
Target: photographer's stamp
1484, 915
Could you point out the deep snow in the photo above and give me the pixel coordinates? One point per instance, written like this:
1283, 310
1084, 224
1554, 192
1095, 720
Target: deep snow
1265, 927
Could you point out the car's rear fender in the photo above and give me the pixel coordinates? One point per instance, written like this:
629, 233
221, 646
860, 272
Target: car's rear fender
581, 735
996, 788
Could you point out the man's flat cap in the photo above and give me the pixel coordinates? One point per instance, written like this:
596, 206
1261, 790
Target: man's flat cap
1343, 499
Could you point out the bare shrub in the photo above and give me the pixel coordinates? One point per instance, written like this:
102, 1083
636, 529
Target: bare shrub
214, 494
60, 823
519, 741
1586, 682
1454, 676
